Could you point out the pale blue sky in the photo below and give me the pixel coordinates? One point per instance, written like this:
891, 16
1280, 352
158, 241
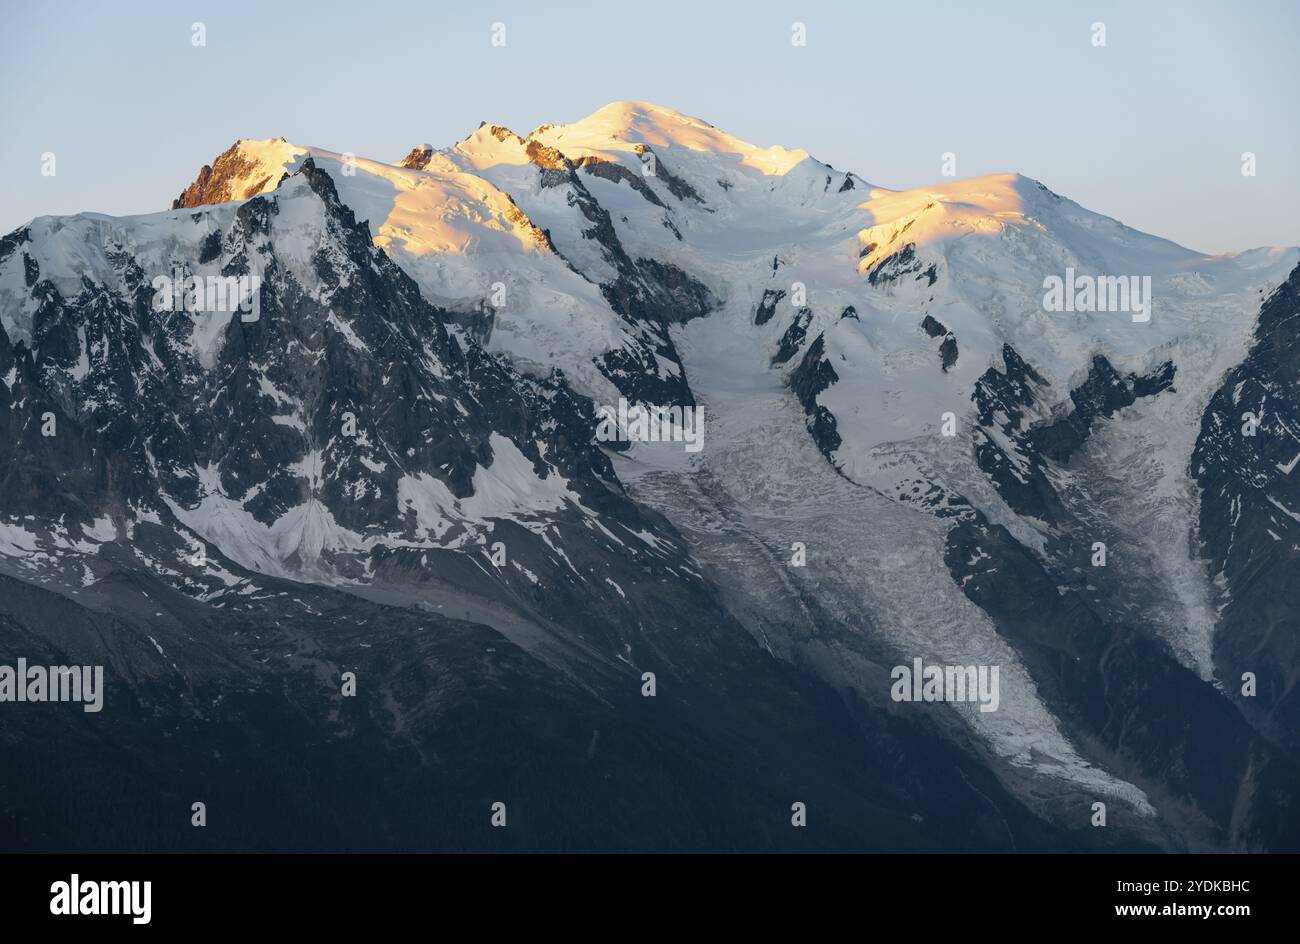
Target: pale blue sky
1149, 129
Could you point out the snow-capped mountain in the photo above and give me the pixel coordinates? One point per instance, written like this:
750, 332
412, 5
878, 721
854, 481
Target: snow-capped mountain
909, 452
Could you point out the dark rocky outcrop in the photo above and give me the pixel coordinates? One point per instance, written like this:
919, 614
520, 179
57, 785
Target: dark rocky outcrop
1249, 519
767, 307
617, 173
418, 158
813, 375
899, 263
948, 347
1015, 459
793, 337
676, 186
232, 176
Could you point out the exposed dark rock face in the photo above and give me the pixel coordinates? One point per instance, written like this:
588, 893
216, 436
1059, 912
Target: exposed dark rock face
418, 158
767, 307
617, 173
948, 348
1249, 524
1009, 392
648, 293
681, 296
814, 375
899, 263
676, 186
230, 177
1102, 394
211, 248
634, 373
948, 352
1015, 459
556, 169
793, 336
933, 328
10, 243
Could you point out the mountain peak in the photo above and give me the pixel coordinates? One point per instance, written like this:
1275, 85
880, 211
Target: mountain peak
621, 126
633, 114
245, 169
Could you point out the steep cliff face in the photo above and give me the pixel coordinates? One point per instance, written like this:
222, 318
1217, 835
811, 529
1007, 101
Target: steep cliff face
245, 169
1244, 464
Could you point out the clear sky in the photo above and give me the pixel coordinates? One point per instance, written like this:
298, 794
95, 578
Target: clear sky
1149, 129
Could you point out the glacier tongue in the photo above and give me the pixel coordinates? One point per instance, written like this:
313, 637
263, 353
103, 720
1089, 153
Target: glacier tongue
883, 594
